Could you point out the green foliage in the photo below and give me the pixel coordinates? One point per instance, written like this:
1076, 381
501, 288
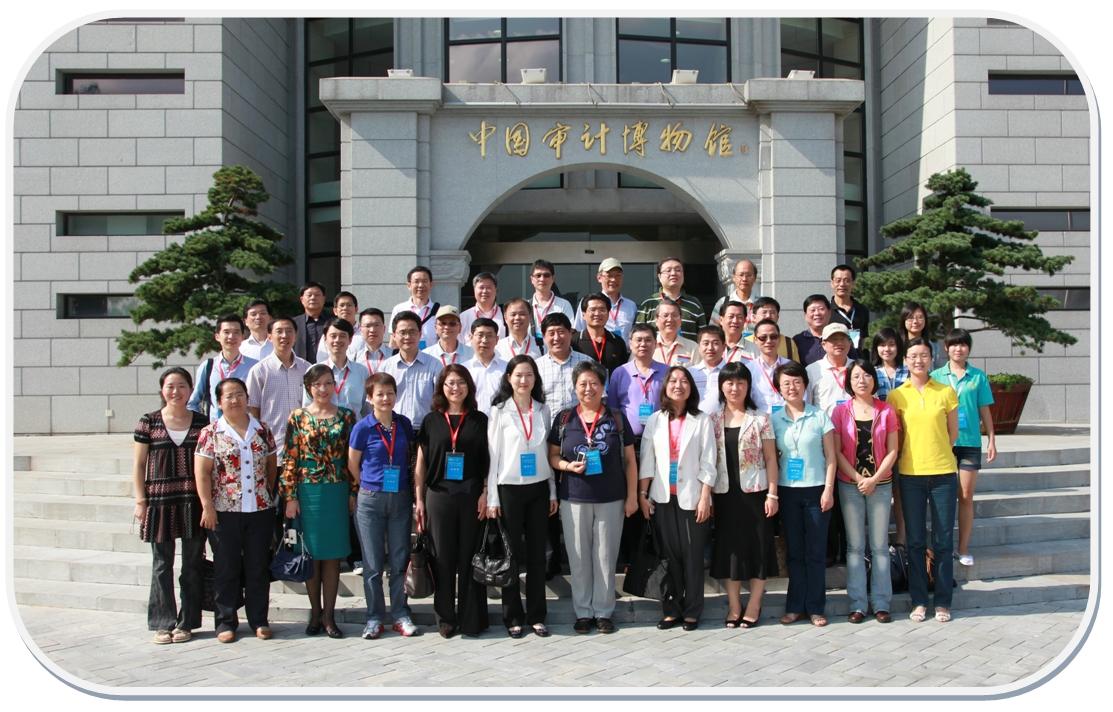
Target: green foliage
953, 257
193, 283
1008, 380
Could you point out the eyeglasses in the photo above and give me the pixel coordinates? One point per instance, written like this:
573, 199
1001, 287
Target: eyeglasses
669, 270
842, 280
767, 337
918, 357
542, 275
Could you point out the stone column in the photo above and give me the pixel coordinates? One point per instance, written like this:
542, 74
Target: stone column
450, 273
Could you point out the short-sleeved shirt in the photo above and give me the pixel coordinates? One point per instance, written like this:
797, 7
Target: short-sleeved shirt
348, 389
923, 418
415, 383
610, 486
885, 384
620, 318
276, 391
367, 437
435, 441
556, 380
428, 316
973, 392
239, 473
802, 438
487, 379
628, 390
692, 317
220, 369
613, 353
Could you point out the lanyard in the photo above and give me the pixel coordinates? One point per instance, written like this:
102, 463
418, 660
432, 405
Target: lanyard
525, 346
735, 351
528, 430
674, 442
957, 385
367, 357
645, 384
797, 429
343, 380
479, 312
389, 446
454, 354
768, 375
423, 314
232, 369
672, 352
597, 349
542, 314
614, 312
454, 433
835, 374
591, 429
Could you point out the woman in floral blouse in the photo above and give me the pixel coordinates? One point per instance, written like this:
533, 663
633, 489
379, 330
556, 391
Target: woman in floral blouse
316, 484
745, 495
235, 470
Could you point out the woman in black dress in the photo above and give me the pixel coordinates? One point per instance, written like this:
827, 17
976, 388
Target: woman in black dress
167, 506
744, 496
450, 481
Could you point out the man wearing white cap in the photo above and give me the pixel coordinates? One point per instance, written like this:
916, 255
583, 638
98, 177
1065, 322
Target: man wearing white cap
827, 376
448, 348
621, 315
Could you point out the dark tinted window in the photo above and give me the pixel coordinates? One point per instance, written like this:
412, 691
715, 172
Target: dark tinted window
1044, 84
125, 84
701, 44
1069, 298
1066, 220
96, 306
116, 223
497, 49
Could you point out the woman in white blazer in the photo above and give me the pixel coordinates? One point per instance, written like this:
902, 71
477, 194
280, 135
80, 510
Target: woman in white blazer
674, 491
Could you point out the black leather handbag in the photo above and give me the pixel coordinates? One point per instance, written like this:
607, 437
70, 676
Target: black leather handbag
489, 569
898, 568
419, 572
648, 573
290, 565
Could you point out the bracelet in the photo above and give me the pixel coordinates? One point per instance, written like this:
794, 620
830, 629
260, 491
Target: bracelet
771, 496
643, 492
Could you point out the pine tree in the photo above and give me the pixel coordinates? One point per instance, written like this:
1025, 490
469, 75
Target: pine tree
955, 256
195, 282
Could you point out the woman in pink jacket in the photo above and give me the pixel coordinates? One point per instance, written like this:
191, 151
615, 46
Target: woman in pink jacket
866, 450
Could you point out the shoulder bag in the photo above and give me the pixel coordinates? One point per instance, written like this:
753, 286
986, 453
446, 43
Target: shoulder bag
288, 564
419, 572
648, 573
491, 570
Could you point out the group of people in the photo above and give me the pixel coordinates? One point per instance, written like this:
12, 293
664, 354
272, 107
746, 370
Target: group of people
587, 424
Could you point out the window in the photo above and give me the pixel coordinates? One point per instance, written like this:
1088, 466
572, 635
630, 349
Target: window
493, 49
1069, 298
650, 48
115, 223
625, 180
1058, 84
109, 83
96, 306
334, 47
998, 21
1057, 220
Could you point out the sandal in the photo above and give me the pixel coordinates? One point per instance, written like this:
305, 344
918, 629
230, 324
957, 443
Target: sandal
942, 615
918, 614
819, 621
790, 618
178, 635
747, 623
515, 631
734, 622
540, 630
163, 637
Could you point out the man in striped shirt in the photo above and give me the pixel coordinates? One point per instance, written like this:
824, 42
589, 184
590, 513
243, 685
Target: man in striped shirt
670, 272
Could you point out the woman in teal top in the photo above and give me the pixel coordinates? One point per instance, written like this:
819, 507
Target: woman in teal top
974, 398
805, 489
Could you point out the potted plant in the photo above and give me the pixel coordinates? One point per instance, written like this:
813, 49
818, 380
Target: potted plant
1010, 392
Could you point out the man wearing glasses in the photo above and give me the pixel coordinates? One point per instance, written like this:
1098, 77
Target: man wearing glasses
670, 273
745, 274
544, 302
767, 336
847, 310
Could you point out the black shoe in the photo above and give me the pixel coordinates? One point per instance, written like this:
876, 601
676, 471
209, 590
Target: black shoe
515, 631
334, 631
665, 623
540, 630
690, 625
553, 569
313, 628
604, 625
446, 630
583, 625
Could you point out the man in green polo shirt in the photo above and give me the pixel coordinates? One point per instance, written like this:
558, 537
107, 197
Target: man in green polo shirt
670, 273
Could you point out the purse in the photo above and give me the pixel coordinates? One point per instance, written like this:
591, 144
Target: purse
648, 573
290, 565
491, 570
419, 572
898, 568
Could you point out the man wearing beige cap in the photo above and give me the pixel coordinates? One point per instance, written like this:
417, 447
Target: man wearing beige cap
622, 312
449, 349
827, 376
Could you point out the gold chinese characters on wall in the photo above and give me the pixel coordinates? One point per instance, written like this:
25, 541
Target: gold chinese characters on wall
674, 138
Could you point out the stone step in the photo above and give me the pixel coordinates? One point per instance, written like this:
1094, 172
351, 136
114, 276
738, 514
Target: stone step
61, 533
294, 608
78, 508
1034, 558
1021, 529
1038, 458
72, 483
1050, 501
1008, 479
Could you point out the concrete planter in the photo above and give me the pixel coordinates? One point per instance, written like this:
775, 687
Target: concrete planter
1007, 407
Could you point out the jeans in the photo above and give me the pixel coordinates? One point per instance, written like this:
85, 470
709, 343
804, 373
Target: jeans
805, 530
162, 612
856, 509
917, 492
385, 517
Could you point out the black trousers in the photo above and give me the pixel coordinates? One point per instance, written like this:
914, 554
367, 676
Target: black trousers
836, 531
682, 541
162, 612
632, 527
454, 527
525, 510
241, 539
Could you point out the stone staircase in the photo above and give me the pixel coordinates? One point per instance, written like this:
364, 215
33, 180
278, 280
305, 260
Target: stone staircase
75, 545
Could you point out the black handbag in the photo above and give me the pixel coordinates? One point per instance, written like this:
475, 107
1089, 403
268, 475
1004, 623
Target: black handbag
419, 572
290, 565
898, 568
648, 573
491, 570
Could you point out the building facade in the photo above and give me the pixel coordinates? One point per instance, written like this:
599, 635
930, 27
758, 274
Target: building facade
120, 124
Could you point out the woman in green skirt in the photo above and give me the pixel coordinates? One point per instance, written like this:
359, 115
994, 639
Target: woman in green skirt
316, 485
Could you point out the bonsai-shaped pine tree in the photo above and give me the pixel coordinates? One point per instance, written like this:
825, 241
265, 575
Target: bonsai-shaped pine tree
955, 257
193, 283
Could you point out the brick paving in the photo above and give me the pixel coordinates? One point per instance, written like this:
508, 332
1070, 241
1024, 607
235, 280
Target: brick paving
979, 648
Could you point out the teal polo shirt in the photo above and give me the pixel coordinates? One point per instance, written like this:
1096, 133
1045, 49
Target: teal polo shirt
802, 438
973, 392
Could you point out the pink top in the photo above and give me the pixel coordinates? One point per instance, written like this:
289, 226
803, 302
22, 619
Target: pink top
885, 421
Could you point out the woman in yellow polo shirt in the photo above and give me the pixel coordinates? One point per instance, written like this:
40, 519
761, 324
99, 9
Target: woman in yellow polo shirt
929, 428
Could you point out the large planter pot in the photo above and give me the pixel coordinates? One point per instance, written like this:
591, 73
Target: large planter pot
1007, 407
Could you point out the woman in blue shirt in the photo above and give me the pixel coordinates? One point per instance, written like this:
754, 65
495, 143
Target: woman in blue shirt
378, 451
805, 488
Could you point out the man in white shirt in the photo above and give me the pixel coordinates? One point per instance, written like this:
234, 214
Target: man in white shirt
373, 352
556, 366
348, 375
620, 318
827, 376
448, 348
732, 317
420, 282
486, 368
231, 363
414, 372
519, 338
745, 274
672, 348
544, 302
706, 373
344, 306
485, 287
767, 336
257, 316
276, 384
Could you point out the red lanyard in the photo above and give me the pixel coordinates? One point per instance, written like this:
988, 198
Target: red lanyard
614, 312
455, 432
587, 429
541, 315
479, 313
525, 349
735, 351
453, 357
676, 427
528, 430
768, 376
231, 370
343, 380
672, 352
424, 311
598, 349
841, 381
645, 384
390, 445
367, 356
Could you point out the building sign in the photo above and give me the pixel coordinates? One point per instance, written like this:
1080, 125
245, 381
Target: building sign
674, 138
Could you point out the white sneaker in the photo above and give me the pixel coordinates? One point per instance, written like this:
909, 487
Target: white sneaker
372, 630
357, 567
966, 559
405, 627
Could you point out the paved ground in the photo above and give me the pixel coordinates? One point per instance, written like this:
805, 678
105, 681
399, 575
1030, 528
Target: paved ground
979, 648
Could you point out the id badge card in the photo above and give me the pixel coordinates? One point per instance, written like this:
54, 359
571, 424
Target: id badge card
390, 479
795, 469
454, 466
778, 408
682, 360
961, 418
855, 334
644, 411
421, 345
747, 331
672, 473
594, 462
529, 464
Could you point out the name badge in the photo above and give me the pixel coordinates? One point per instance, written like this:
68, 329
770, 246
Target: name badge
421, 345
795, 469
390, 479
681, 360
594, 462
528, 464
855, 334
961, 418
747, 331
454, 466
672, 473
644, 411
841, 400
778, 408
